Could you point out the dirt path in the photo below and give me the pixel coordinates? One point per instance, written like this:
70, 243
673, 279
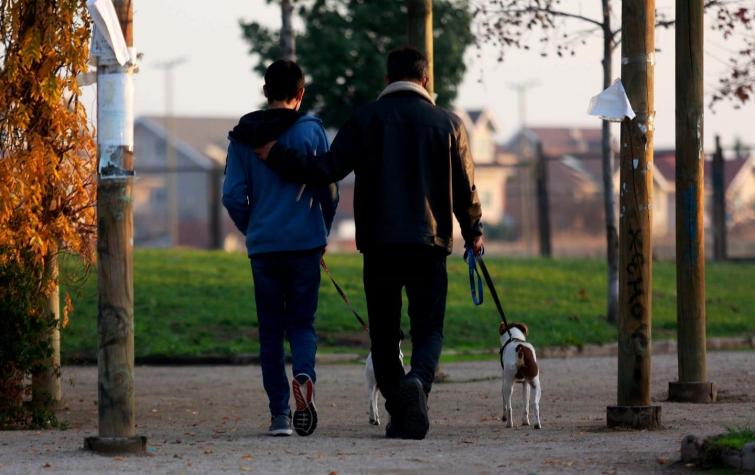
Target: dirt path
212, 419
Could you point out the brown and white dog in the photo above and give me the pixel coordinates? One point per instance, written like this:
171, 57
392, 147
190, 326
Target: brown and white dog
372, 388
519, 365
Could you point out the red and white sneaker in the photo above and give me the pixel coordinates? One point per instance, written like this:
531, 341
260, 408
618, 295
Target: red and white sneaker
305, 415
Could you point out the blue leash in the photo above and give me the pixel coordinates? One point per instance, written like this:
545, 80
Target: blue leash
474, 276
472, 261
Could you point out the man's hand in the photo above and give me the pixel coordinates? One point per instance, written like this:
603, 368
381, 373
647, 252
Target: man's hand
477, 246
264, 150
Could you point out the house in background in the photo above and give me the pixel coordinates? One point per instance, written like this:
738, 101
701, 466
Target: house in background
503, 176
491, 162
575, 182
199, 148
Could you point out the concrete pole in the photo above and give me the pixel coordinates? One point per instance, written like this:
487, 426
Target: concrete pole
690, 238
719, 204
543, 205
115, 317
287, 37
420, 33
45, 385
635, 222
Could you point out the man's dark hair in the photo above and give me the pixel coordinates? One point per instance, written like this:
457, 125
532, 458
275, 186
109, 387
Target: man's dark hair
283, 80
406, 63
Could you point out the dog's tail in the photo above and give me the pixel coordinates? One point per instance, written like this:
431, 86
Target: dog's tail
525, 363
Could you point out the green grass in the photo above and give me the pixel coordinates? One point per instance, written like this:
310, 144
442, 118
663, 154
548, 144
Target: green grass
733, 438
189, 302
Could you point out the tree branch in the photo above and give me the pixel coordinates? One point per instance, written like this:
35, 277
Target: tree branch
554, 13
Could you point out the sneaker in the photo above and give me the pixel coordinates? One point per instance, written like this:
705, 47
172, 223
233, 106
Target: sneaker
280, 425
414, 401
305, 415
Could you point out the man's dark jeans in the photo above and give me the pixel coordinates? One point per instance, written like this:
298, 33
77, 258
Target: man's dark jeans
422, 271
286, 286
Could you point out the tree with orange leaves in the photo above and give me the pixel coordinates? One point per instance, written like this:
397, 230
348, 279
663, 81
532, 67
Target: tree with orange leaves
47, 179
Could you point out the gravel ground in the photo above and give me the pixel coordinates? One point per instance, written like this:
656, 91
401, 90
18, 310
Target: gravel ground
213, 420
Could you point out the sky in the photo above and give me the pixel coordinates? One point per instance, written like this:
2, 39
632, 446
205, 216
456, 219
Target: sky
217, 77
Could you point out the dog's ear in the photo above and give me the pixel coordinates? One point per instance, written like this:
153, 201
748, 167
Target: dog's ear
501, 328
522, 327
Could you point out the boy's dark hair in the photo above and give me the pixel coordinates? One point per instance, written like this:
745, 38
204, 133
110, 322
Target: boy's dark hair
406, 63
283, 80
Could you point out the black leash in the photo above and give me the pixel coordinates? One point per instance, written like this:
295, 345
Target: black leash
473, 260
343, 295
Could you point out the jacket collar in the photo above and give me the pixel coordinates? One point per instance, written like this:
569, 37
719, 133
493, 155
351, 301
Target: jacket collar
401, 86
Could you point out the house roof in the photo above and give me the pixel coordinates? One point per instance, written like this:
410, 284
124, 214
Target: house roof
474, 114
559, 141
203, 134
665, 163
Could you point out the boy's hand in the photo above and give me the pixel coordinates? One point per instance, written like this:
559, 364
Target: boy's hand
264, 150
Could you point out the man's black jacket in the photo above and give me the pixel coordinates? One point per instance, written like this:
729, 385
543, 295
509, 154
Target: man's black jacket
412, 167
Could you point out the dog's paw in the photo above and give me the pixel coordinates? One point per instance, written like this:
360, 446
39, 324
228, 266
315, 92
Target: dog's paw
538, 426
525, 422
374, 422
510, 424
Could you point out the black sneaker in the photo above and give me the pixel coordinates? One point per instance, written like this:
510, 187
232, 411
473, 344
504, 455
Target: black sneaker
305, 415
414, 401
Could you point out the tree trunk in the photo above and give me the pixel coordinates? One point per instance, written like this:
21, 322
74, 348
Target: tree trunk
45, 385
287, 38
419, 25
609, 194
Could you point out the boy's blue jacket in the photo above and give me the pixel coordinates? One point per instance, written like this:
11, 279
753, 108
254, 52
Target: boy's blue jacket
273, 214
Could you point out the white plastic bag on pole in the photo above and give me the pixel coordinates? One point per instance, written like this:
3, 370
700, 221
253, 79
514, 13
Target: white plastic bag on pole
612, 104
108, 27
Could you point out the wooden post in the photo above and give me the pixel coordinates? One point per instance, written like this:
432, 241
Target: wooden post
45, 385
635, 222
115, 317
420, 32
287, 40
690, 238
543, 207
215, 223
719, 204
607, 166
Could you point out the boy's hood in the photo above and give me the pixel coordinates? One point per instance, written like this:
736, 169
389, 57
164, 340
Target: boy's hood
260, 127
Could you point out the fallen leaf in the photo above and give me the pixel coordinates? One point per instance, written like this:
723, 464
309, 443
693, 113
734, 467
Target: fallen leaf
47, 465
119, 458
247, 457
662, 460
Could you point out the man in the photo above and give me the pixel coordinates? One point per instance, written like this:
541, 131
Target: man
286, 228
412, 169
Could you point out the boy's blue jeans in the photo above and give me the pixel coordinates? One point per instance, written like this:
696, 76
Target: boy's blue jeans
286, 286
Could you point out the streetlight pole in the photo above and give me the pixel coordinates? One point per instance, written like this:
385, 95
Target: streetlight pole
170, 149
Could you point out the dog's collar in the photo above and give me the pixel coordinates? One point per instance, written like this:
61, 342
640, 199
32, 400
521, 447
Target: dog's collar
503, 348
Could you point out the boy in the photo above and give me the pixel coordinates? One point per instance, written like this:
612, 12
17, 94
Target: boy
286, 227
